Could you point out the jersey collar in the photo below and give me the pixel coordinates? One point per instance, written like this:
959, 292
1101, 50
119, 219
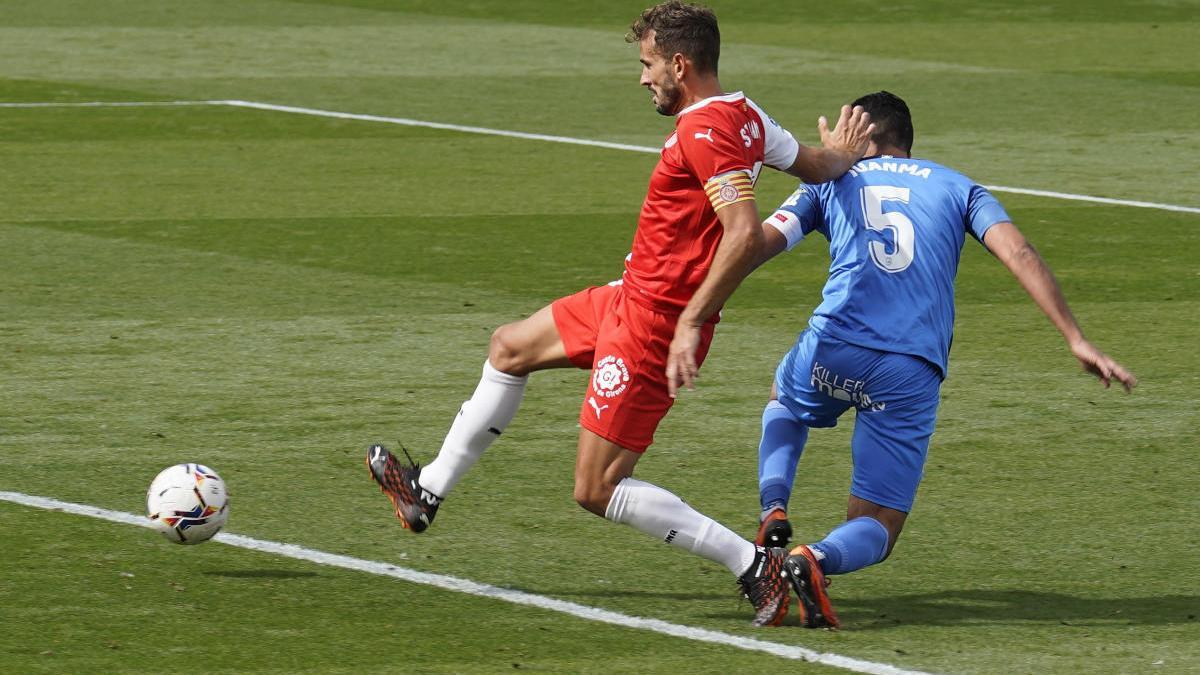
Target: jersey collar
729, 98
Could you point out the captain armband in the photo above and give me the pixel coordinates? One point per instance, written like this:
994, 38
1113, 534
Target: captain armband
729, 188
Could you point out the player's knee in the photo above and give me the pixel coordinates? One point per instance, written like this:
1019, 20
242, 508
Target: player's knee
593, 497
505, 351
892, 537
893, 526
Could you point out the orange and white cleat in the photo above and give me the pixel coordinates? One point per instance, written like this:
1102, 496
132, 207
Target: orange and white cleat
775, 530
816, 611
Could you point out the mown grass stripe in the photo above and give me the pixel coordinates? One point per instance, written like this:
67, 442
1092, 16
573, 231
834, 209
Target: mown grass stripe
641, 148
404, 121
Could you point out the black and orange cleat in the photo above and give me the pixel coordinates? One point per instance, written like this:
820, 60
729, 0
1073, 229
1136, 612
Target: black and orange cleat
775, 530
766, 586
816, 611
415, 506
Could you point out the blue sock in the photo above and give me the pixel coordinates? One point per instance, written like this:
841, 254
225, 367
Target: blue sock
853, 545
783, 438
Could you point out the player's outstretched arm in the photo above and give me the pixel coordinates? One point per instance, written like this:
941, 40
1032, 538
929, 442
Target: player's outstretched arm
1007, 243
840, 148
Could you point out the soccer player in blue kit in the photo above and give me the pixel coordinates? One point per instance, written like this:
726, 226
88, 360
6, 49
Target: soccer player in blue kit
880, 338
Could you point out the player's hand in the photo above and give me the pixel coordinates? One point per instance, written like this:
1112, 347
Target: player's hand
1102, 365
681, 358
852, 133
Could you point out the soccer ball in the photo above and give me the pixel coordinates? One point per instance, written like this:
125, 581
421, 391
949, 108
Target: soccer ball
187, 503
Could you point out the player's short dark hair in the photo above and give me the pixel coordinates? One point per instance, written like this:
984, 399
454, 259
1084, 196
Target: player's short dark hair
681, 28
893, 122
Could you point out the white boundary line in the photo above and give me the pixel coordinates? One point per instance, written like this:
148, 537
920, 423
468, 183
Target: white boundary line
105, 104
484, 590
1097, 200
439, 125
316, 112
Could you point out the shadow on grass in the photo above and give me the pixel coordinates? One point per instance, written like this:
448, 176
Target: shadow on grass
949, 608
261, 574
956, 607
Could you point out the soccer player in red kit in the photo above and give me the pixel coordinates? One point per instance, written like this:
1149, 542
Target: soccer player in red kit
645, 336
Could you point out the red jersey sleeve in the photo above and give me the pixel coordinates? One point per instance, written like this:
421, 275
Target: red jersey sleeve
712, 145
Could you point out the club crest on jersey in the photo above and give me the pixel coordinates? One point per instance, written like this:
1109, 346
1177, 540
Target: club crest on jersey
610, 377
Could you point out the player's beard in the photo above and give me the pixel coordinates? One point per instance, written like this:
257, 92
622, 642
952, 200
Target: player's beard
667, 100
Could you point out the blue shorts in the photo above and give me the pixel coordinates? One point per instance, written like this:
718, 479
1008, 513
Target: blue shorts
895, 397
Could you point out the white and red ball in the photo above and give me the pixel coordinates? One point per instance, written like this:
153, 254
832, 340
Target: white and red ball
188, 503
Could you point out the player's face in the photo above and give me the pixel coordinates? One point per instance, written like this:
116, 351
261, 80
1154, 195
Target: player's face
658, 77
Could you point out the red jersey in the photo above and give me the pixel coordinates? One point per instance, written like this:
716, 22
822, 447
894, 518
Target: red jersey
727, 138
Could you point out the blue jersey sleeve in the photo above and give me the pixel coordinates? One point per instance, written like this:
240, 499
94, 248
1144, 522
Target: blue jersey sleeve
983, 211
798, 215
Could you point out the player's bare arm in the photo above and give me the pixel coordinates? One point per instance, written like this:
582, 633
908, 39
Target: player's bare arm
1007, 243
840, 147
735, 256
774, 242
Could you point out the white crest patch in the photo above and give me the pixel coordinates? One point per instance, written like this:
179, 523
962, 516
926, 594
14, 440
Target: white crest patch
610, 377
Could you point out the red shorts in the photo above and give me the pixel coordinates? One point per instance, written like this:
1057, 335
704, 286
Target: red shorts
625, 345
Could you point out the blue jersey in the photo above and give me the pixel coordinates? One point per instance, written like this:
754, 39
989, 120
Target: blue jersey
896, 229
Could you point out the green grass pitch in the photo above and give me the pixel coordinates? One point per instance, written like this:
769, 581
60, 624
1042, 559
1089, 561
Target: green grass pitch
268, 292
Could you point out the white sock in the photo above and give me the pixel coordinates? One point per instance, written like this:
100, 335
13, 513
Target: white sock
661, 514
479, 422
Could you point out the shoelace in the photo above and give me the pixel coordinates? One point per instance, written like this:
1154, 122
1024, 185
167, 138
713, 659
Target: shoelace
407, 456
754, 589
416, 466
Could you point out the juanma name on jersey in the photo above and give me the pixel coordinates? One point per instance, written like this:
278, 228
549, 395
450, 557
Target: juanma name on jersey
893, 166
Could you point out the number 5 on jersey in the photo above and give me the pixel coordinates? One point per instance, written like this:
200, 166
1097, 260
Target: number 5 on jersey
873, 198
